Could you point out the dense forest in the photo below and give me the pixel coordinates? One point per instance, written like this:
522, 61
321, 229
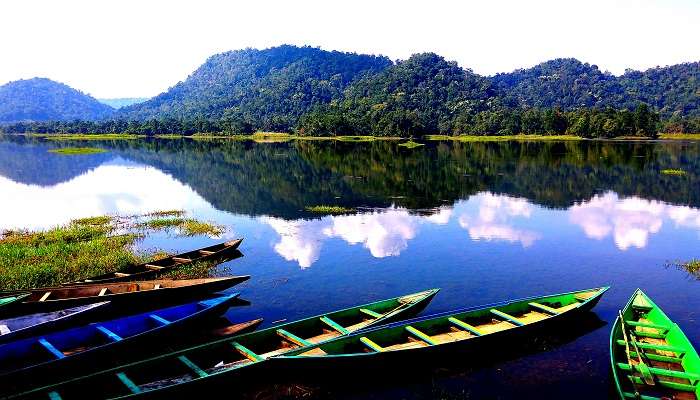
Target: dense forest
310, 91
40, 99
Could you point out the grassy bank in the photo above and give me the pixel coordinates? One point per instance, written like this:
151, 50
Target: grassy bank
680, 136
73, 151
89, 246
486, 138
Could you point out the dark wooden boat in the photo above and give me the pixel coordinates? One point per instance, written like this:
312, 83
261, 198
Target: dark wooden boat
35, 324
56, 356
651, 357
133, 295
152, 269
173, 374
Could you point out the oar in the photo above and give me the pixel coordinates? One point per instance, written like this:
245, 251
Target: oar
643, 369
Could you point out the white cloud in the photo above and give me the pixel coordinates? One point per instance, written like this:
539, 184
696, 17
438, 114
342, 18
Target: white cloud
630, 220
384, 233
494, 217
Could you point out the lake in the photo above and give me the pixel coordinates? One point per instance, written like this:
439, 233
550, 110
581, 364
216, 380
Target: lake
484, 222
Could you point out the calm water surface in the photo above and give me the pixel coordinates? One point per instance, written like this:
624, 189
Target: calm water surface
485, 222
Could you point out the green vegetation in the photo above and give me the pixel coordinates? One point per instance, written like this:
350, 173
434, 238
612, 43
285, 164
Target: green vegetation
312, 92
680, 136
72, 151
411, 144
671, 171
325, 209
502, 138
84, 247
186, 226
41, 99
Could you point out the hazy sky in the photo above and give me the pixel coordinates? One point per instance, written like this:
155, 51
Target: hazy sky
125, 48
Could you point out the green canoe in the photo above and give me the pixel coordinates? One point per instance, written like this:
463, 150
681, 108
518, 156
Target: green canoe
6, 301
222, 361
650, 355
462, 335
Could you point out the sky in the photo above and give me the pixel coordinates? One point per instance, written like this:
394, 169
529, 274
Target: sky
128, 48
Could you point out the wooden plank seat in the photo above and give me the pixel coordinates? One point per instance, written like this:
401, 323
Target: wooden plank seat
194, 367
656, 347
290, 337
246, 352
159, 320
371, 345
420, 335
111, 335
334, 325
465, 326
542, 307
370, 313
507, 317
692, 378
134, 388
51, 348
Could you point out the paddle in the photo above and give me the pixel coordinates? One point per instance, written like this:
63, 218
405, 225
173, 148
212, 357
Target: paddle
643, 369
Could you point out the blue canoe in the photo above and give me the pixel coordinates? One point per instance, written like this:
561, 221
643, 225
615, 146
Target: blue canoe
57, 356
12, 329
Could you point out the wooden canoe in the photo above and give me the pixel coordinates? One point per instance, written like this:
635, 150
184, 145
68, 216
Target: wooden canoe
651, 357
131, 295
467, 335
35, 324
59, 355
152, 269
173, 374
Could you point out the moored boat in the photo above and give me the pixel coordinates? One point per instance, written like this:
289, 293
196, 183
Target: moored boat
218, 362
152, 269
6, 300
133, 295
651, 357
63, 354
464, 335
34, 324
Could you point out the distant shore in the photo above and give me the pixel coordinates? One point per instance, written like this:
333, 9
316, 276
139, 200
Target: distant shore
275, 137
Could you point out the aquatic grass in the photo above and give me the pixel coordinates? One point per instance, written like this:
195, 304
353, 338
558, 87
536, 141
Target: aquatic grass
501, 138
86, 136
163, 223
73, 151
61, 254
85, 247
193, 227
673, 172
326, 209
411, 144
679, 136
166, 213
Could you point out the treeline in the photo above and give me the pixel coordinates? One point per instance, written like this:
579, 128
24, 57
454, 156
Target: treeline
592, 123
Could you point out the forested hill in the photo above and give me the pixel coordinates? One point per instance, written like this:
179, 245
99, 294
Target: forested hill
569, 84
41, 99
269, 88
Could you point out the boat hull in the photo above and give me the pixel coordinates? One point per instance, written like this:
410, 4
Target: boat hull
144, 297
143, 344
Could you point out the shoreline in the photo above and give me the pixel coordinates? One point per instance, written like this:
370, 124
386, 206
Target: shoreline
274, 137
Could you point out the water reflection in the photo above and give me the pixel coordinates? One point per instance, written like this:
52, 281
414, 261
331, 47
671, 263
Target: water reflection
494, 218
115, 187
630, 221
